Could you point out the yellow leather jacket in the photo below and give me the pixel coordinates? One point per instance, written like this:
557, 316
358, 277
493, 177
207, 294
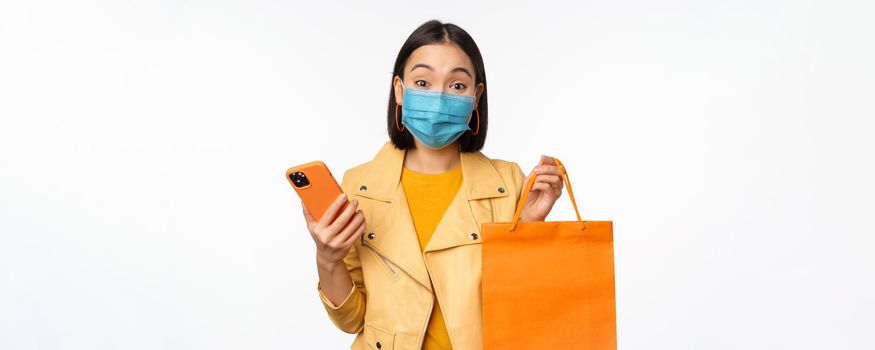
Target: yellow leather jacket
391, 303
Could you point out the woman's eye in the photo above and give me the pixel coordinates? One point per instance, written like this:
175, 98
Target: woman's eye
458, 86
421, 83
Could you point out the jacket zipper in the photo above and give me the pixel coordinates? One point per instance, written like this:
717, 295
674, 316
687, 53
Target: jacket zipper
382, 258
386, 263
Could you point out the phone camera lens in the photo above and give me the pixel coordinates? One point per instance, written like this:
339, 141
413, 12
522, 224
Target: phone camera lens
299, 179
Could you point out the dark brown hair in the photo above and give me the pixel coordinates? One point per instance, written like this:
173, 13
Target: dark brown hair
435, 32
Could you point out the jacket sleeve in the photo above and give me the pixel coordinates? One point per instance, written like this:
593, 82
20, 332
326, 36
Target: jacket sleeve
349, 316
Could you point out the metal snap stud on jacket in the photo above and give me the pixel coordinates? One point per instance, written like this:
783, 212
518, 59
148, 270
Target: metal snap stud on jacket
379, 345
501, 190
363, 188
473, 235
371, 235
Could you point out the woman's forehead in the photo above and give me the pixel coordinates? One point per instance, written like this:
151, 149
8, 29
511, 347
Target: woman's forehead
442, 57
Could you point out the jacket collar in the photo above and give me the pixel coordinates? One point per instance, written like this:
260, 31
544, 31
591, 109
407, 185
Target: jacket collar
382, 178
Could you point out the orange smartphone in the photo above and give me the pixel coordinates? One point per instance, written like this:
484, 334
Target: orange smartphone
316, 187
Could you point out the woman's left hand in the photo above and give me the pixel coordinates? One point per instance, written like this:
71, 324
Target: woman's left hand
545, 191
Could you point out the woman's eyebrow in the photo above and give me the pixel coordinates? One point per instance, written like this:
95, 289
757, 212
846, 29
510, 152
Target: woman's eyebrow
457, 69
463, 70
421, 65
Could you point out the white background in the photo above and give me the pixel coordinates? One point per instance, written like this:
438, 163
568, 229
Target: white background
143, 145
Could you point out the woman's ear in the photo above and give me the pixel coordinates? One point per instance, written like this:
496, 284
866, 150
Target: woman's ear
477, 92
399, 90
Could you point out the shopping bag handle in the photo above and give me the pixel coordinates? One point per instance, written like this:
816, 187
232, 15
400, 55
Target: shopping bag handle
528, 188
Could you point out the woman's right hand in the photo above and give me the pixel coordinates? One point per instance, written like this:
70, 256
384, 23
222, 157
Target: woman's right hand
334, 238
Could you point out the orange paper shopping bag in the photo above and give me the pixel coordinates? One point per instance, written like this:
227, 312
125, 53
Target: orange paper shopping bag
548, 285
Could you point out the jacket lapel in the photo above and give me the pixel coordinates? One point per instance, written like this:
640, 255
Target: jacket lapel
398, 241
460, 224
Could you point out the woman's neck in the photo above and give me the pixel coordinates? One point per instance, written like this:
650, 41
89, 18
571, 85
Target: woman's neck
432, 161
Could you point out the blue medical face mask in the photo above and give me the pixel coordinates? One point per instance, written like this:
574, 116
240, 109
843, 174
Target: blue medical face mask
436, 118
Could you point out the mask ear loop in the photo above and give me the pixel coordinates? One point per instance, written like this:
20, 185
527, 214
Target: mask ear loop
477, 131
401, 129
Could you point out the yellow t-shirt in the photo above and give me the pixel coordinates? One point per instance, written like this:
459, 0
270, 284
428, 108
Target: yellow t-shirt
428, 196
